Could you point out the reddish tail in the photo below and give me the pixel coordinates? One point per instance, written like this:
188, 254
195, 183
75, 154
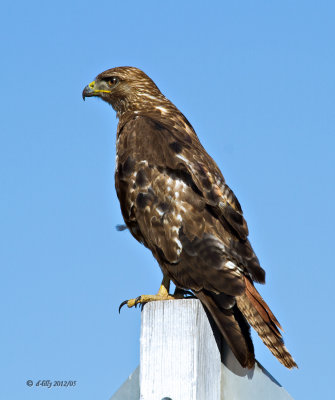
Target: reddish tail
261, 318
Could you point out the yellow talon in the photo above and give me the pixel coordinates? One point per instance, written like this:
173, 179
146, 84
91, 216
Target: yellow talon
146, 298
163, 294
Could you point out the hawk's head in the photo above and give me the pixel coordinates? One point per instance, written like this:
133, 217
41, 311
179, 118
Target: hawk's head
124, 88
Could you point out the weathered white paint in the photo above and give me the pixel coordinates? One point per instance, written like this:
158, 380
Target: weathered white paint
184, 358
179, 357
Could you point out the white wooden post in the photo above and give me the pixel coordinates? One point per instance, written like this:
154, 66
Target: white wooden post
179, 355
183, 357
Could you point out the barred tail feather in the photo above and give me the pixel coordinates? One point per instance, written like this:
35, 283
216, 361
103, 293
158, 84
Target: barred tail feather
261, 318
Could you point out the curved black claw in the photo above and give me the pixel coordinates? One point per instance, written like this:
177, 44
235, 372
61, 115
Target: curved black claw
137, 301
122, 304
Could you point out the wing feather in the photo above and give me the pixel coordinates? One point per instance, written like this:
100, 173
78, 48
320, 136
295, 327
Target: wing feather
174, 149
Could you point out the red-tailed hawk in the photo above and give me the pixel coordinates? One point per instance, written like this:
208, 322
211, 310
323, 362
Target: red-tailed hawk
176, 202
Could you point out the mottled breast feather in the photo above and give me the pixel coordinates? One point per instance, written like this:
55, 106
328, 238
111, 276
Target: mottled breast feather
175, 170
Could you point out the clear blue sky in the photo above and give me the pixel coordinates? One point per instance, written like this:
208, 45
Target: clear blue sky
256, 80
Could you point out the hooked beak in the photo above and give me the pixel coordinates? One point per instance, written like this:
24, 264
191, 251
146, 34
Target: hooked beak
92, 89
88, 90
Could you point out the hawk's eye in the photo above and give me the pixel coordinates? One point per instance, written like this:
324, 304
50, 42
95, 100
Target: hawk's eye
112, 81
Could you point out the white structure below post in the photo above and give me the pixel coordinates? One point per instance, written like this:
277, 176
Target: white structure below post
183, 357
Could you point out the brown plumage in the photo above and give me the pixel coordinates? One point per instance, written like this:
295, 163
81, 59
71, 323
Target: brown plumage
175, 201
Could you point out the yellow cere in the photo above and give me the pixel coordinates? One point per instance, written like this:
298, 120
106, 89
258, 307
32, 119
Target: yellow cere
92, 84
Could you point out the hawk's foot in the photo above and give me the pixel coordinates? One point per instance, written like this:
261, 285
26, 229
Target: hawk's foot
162, 294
